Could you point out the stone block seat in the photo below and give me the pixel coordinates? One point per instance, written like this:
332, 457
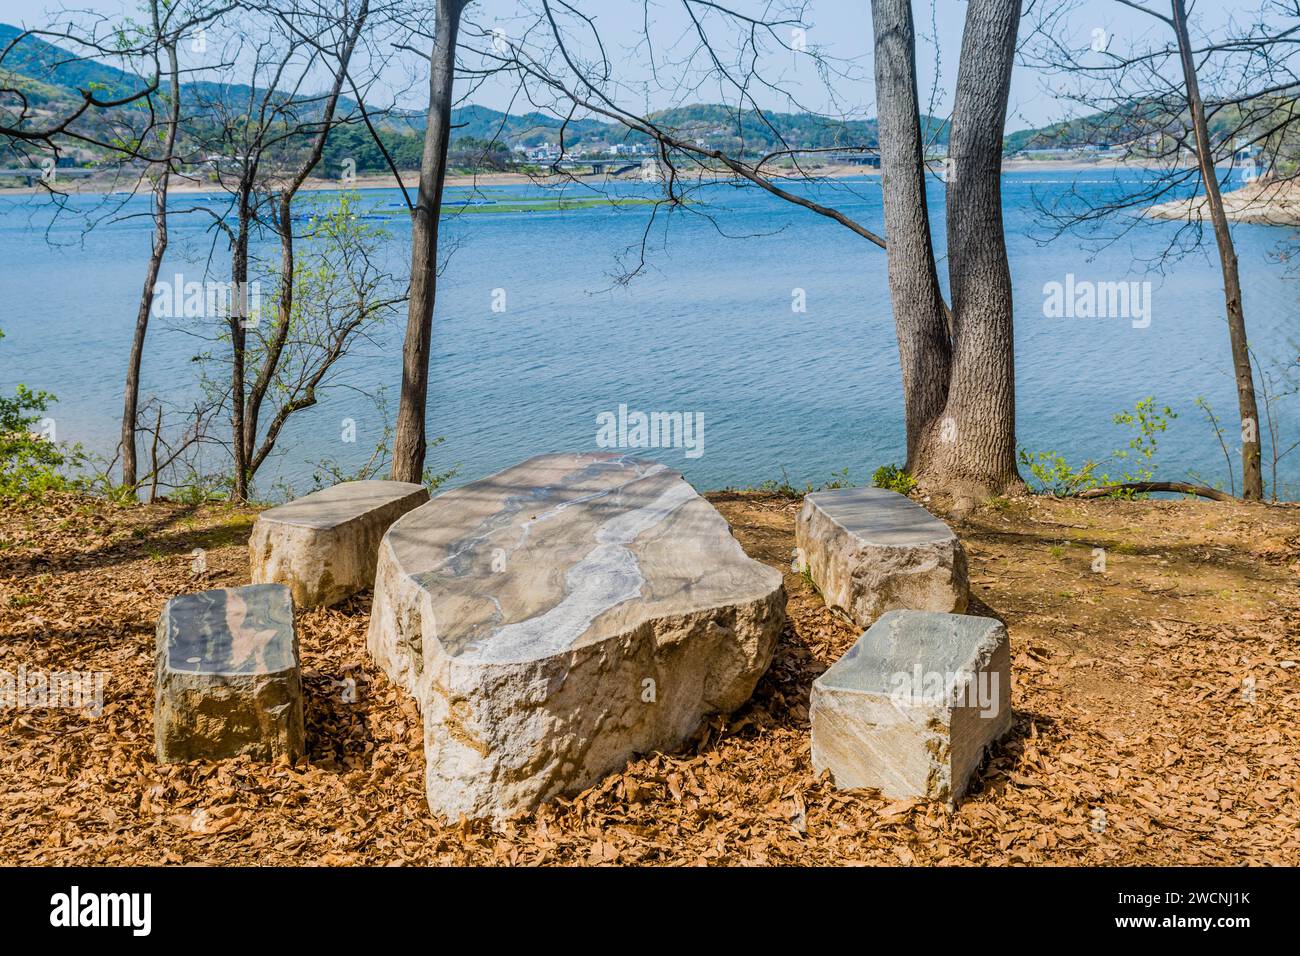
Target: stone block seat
870, 550
227, 676
561, 616
323, 546
912, 705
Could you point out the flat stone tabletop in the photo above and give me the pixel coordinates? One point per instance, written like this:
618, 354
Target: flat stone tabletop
247, 630
566, 550
879, 516
340, 503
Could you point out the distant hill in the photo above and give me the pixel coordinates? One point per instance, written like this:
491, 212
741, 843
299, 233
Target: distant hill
53, 66
61, 75
529, 129
1138, 122
47, 73
715, 125
51, 76
1093, 130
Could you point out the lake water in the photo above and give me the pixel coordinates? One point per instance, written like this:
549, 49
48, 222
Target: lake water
707, 328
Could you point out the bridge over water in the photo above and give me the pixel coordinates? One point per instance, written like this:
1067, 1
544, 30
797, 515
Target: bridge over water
614, 167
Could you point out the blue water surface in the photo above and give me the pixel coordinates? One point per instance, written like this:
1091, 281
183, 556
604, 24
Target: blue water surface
709, 325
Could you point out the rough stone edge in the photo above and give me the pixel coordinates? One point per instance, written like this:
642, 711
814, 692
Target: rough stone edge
950, 571
727, 683
170, 685
320, 588
993, 650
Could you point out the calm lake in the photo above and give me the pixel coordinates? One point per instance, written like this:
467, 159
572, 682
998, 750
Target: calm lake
709, 326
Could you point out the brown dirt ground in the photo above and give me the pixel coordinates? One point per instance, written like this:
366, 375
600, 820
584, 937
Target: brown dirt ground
1128, 691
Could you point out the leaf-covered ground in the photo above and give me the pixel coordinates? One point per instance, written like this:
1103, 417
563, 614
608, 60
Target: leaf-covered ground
1162, 692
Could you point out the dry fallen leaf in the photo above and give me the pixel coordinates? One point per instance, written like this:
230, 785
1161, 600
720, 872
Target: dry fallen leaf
1128, 699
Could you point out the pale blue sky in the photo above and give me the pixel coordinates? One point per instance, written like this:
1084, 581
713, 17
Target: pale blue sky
842, 28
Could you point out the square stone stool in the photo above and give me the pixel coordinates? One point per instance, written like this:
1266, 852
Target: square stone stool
228, 679
911, 707
869, 551
323, 546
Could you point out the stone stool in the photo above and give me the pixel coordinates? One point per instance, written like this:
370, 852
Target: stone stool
227, 679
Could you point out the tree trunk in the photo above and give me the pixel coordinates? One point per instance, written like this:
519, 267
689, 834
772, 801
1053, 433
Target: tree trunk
920, 316
279, 336
409, 440
284, 226
958, 369
239, 280
1252, 480
972, 450
130, 407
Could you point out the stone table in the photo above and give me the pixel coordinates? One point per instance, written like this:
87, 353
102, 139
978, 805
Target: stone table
227, 676
911, 707
869, 550
561, 616
323, 546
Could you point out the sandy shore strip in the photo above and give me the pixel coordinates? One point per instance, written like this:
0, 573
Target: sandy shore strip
1271, 203
410, 178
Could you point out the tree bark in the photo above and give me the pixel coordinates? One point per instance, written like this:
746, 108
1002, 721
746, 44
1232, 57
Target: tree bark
239, 280
959, 366
920, 315
409, 440
131, 403
972, 449
1252, 480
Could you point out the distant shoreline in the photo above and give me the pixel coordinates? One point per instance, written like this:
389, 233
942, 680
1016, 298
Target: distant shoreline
410, 179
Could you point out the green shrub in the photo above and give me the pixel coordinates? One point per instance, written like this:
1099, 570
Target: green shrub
784, 487
31, 463
893, 478
1056, 476
1147, 422
838, 479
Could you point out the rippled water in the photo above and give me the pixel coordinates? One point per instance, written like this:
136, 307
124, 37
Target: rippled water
707, 327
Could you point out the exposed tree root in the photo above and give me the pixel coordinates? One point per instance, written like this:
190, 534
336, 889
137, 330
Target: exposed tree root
1142, 487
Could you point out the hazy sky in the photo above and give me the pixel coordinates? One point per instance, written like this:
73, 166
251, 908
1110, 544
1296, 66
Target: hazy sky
840, 28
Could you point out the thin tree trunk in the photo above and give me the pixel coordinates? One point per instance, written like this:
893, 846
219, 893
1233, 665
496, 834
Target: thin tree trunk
239, 279
1252, 481
275, 348
284, 311
971, 450
153, 457
920, 316
130, 407
409, 440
